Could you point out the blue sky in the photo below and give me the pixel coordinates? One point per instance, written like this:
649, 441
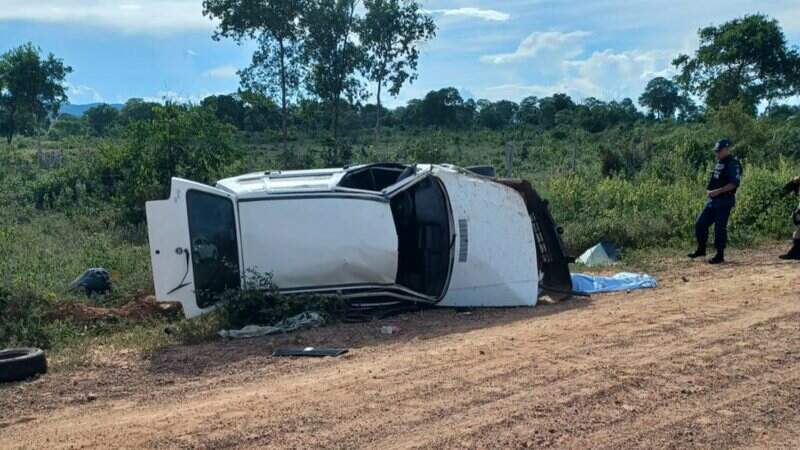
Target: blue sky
488, 49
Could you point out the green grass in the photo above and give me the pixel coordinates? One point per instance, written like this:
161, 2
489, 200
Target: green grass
640, 187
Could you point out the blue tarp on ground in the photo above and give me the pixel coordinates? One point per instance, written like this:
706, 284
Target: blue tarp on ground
592, 284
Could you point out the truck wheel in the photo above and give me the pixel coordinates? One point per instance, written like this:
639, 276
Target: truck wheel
21, 363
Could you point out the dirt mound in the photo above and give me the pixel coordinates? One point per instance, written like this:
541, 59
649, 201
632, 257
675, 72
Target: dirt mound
141, 309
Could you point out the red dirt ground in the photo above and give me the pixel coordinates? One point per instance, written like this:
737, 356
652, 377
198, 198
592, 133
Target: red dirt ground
710, 359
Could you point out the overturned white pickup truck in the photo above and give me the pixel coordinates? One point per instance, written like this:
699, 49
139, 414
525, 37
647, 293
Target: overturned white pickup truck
436, 234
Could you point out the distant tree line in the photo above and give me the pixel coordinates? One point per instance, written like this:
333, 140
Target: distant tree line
315, 59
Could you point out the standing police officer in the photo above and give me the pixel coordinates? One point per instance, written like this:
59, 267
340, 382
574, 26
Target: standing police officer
725, 179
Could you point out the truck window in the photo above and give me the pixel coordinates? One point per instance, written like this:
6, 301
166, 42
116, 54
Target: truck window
215, 250
372, 178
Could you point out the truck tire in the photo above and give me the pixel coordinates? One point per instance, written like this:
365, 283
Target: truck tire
21, 363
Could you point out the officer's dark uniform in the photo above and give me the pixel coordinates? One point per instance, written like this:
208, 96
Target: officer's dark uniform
718, 209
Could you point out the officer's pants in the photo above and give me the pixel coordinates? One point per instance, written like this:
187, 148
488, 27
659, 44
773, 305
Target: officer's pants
716, 212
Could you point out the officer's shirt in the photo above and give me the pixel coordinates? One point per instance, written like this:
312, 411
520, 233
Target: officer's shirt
725, 172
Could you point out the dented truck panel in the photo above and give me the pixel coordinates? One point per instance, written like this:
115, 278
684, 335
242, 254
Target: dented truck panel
317, 242
496, 253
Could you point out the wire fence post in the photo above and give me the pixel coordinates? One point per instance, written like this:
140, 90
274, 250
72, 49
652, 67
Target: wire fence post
509, 159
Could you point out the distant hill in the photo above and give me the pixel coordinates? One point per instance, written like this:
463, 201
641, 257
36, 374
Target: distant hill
80, 110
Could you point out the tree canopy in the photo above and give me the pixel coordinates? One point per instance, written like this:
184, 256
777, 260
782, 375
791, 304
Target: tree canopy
31, 89
745, 59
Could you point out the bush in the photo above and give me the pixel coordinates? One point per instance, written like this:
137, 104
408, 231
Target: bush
181, 141
260, 303
23, 319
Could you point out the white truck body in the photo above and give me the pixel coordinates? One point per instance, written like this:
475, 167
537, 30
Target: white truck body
437, 234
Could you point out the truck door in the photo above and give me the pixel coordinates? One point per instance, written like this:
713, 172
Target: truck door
194, 245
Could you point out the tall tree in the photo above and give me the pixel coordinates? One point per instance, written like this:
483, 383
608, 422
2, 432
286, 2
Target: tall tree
746, 59
662, 97
101, 118
390, 33
332, 53
529, 111
276, 26
31, 89
440, 108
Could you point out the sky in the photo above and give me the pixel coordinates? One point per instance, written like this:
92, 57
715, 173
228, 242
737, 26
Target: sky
508, 49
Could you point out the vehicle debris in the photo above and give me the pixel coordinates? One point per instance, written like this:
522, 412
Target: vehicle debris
432, 234
390, 329
316, 352
95, 280
308, 319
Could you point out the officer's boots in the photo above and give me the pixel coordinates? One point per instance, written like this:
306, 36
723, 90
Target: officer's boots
794, 253
719, 258
699, 253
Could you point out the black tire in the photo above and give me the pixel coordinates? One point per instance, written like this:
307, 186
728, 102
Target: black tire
21, 363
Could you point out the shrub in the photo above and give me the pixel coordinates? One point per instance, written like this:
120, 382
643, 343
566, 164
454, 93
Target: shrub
23, 318
260, 303
181, 141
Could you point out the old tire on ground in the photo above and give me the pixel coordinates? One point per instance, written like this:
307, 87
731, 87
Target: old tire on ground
21, 363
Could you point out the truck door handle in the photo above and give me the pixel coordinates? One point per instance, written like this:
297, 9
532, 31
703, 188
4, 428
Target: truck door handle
182, 284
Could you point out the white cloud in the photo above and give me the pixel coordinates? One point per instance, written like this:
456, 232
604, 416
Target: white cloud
141, 16
474, 13
566, 44
222, 72
606, 75
82, 94
191, 52
612, 75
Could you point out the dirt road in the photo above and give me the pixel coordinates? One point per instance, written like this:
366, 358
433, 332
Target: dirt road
711, 359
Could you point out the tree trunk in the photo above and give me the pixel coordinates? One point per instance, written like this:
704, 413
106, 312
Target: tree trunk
378, 115
12, 119
284, 128
336, 120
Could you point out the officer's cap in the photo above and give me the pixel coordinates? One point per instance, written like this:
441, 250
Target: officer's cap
722, 143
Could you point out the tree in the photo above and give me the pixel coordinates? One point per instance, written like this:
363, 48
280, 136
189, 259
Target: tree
260, 111
332, 54
529, 112
31, 89
746, 59
101, 118
661, 97
276, 26
227, 108
440, 108
181, 140
390, 33
549, 107
135, 110
497, 115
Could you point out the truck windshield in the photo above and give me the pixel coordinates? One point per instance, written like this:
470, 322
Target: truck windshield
423, 231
